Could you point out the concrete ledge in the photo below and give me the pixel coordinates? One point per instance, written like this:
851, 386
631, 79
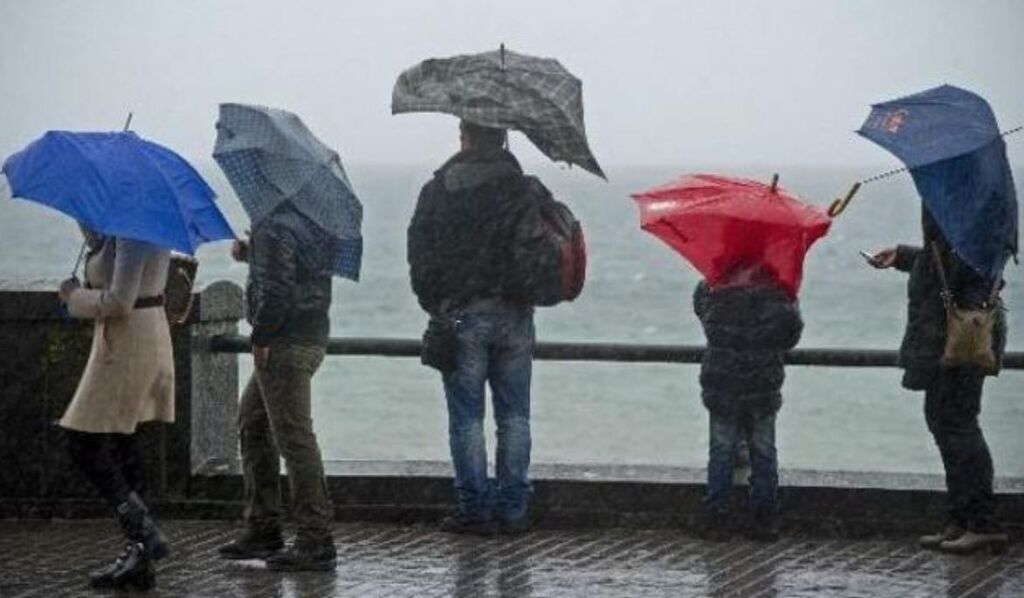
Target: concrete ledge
828, 504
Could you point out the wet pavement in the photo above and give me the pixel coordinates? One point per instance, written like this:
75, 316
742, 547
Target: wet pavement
48, 559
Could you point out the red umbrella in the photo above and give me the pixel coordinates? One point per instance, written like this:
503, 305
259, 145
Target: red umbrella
722, 225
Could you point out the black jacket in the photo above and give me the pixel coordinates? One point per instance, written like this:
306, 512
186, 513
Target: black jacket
748, 331
285, 298
924, 339
460, 235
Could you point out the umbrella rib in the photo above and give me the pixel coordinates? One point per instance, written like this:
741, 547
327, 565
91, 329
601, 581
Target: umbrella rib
180, 213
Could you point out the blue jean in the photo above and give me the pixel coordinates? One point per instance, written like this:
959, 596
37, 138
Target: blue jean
496, 348
726, 432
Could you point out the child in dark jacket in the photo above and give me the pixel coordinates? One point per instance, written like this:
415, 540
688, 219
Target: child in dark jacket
749, 323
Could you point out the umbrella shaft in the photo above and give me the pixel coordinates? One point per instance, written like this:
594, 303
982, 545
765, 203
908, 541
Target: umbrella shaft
78, 262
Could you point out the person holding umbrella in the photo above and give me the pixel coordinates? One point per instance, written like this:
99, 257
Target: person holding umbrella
134, 201
306, 223
749, 241
461, 243
949, 140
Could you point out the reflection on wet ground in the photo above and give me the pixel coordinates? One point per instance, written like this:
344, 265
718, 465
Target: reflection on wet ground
51, 559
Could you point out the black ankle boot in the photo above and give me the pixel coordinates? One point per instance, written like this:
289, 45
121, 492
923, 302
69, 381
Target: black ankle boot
133, 570
139, 526
136, 571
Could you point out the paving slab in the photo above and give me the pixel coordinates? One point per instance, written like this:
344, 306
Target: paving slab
51, 558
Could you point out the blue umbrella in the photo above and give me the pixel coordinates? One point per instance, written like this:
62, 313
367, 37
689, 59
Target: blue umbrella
121, 185
279, 169
949, 140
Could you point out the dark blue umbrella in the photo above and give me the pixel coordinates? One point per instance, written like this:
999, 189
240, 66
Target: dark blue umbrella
121, 185
949, 140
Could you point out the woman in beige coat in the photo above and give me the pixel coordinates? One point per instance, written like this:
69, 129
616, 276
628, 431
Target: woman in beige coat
129, 379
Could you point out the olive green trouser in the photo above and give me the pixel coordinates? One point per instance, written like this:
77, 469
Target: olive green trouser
275, 421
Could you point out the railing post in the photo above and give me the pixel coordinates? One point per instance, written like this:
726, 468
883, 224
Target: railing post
205, 436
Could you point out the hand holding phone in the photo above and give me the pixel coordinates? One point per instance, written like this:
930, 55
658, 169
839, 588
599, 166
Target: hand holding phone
881, 260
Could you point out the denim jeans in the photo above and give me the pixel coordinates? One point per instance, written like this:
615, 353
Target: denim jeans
727, 430
495, 348
275, 421
952, 403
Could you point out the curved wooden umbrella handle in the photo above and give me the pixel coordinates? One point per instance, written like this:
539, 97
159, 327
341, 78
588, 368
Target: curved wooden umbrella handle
839, 206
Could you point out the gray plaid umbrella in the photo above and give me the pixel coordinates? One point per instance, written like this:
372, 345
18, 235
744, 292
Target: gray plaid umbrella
270, 157
507, 90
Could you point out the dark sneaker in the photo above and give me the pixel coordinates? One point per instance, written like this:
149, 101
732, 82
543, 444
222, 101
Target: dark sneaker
714, 527
456, 524
951, 532
253, 544
763, 526
514, 527
305, 555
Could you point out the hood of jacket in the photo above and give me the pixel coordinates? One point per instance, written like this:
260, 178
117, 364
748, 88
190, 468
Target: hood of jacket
471, 168
751, 318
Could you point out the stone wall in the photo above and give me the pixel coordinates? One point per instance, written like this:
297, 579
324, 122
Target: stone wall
42, 355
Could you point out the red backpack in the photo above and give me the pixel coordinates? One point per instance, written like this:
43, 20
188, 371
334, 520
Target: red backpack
549, 254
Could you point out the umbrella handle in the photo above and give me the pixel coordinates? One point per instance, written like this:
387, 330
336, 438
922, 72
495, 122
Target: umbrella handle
839, 206
78, 262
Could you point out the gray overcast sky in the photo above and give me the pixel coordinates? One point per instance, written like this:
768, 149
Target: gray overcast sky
665, 82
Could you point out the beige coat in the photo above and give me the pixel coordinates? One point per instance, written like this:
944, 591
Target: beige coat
130, 374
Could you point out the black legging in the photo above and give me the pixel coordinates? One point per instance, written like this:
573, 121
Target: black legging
111, 462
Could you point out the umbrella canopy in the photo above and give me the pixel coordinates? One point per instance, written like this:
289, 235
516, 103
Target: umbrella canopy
949, 139
724, 224
271, 159
931, 126
503, 89
121, 185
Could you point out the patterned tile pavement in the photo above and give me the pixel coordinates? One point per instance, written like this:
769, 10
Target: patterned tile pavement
49, 559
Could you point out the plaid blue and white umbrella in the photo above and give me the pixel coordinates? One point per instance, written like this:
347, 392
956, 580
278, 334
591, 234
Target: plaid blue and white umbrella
271, 158
506, 90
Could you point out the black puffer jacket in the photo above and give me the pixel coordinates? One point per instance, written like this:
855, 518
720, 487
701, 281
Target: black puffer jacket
924, 339
748, 330
285, 298
460, 235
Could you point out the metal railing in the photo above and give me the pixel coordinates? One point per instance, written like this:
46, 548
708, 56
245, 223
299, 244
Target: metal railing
615, 352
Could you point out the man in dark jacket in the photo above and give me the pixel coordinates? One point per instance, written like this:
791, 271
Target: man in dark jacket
287, 308
749, 324
952, 400
459, 243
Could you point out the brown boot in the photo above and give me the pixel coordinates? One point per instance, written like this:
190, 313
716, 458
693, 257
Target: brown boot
951, 532
970, 541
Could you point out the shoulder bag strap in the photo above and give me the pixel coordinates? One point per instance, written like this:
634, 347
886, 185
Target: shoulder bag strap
946, 293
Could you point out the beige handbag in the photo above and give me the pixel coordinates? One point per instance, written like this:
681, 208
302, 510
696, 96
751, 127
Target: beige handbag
969, 332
